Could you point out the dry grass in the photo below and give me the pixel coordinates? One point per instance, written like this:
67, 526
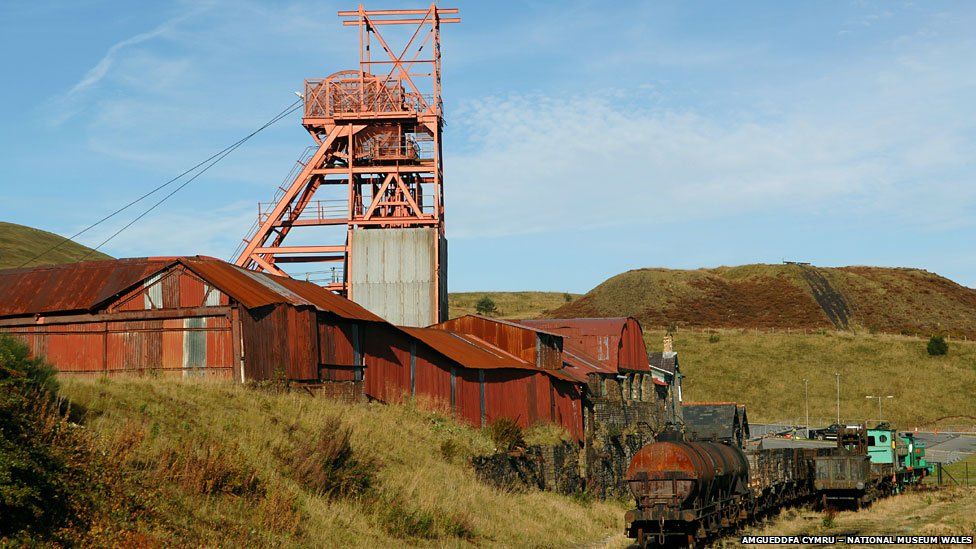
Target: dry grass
418, 494
888, 300
510, 304
765, 371
950, 511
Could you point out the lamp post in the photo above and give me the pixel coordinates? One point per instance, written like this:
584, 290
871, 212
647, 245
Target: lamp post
837, 375
880, 398
806, 404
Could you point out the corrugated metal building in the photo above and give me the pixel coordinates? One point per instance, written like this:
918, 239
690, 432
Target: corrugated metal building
180, 316
201, 316
617, 343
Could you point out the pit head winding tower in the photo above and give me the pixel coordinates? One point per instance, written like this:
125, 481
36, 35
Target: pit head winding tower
372, 185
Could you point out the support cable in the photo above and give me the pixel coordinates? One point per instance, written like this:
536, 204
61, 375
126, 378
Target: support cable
213, 159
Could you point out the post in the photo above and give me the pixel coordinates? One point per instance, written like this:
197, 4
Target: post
806, 405
837, 375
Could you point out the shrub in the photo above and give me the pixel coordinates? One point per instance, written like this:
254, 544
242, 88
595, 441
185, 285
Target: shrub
208, 468
326, 464
714, 338
937, 346
506, 434
828, 519
486, 306
402, 521
42, 485
567, 298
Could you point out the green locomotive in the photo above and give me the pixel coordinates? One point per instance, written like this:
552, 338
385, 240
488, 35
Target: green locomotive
869, 463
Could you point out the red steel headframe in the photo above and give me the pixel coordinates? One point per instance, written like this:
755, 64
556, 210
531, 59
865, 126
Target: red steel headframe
377, 152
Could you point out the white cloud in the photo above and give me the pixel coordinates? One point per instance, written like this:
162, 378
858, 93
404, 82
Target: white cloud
878, 138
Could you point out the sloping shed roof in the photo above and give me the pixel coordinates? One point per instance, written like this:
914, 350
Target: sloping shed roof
663, 361
253, 289
75, 287
468, 351
471, 352
710, 421
615, 342
72, 286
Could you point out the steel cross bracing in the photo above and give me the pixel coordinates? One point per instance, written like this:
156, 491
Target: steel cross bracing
377, 159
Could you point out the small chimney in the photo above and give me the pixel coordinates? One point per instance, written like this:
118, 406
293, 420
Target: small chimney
668, 343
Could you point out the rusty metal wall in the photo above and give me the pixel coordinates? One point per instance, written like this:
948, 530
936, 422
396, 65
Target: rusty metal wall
387, 358
177, 346
393, 274
520, 341
614, 342
280, 340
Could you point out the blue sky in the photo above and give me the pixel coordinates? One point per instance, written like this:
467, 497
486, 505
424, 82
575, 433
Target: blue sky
582, 141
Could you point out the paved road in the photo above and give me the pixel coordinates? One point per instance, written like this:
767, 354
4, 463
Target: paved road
948, 449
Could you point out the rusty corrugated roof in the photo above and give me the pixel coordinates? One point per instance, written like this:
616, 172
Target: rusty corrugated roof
472, 352
72, 286
325, 300
616, 342
253, 289
468, 351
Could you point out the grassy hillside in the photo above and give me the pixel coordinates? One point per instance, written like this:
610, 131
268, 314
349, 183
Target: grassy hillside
216, 464
765, 371
874, 299
510, 304
19, 244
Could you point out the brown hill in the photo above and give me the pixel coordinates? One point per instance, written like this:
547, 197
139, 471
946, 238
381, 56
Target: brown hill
892, 300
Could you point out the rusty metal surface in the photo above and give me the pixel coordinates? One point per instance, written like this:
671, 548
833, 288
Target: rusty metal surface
680, 471
525, 342
467, 350
72, 286
615, 342
254, 289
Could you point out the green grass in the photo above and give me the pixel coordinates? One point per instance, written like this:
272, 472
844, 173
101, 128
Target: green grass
765, 371
963, 472
217, 464
19, 244
510, 304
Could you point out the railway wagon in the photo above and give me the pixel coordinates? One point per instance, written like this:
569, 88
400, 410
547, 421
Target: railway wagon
845, 478
781, 476
686, 491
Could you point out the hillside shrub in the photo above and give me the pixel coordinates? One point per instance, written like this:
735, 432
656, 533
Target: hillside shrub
486, 306
327, 464
208, 468
937, 346
43, 487
506, 434
714, 338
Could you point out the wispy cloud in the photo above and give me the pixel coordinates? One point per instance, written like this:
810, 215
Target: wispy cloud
870, 140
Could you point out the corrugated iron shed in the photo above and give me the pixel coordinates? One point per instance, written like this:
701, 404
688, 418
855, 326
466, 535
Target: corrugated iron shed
615, 342
73, 286
467, 351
